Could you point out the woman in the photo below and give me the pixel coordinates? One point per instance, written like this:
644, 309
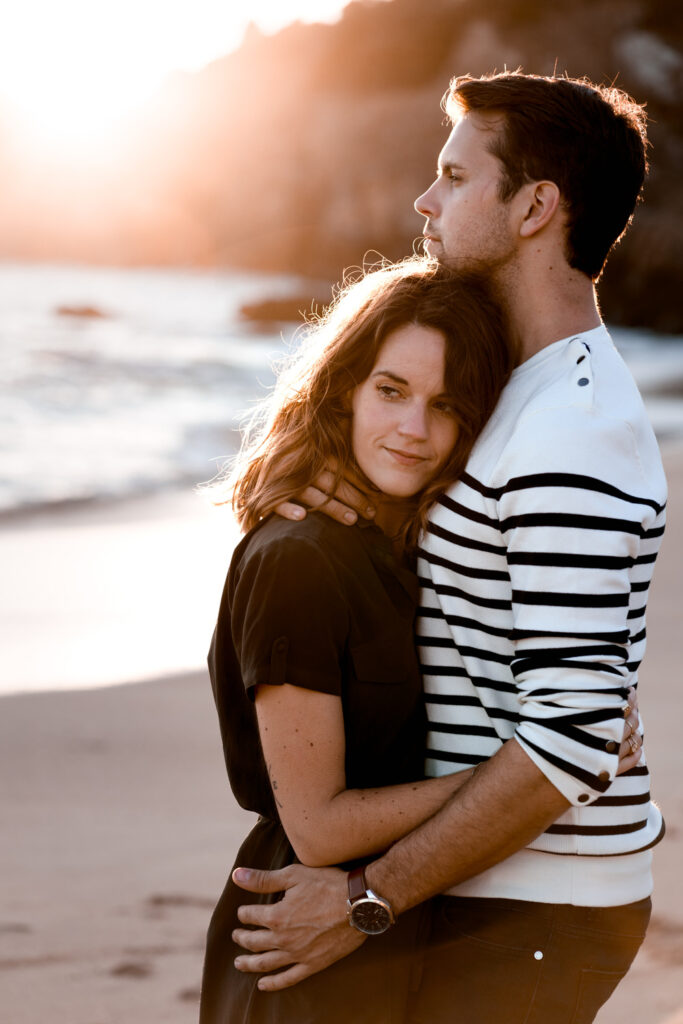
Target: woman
313, 668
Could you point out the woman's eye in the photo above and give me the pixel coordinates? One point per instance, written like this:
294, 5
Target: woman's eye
387, 391
446, 407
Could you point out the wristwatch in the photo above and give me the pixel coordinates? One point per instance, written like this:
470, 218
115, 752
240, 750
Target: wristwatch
367, 911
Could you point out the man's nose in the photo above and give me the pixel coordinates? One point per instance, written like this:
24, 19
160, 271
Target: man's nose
426, 203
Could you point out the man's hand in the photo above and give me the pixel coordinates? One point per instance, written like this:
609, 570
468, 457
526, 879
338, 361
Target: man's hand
631, 749
308, 928
344, 505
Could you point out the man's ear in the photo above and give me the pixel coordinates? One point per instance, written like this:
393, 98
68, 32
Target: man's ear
541, 203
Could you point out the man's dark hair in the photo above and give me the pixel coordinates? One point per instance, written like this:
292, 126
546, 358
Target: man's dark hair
590, 140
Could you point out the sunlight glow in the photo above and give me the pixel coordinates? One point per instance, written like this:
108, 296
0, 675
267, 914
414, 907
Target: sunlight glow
74, 72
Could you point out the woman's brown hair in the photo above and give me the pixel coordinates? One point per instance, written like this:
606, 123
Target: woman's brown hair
303, 428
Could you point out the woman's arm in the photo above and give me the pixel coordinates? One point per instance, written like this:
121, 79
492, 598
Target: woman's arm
302, 735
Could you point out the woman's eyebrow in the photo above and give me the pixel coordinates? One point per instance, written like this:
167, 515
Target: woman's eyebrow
388, 373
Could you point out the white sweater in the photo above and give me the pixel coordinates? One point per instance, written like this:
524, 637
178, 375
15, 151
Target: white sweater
535, 571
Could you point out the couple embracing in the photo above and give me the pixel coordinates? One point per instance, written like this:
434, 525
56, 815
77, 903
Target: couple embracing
429, 681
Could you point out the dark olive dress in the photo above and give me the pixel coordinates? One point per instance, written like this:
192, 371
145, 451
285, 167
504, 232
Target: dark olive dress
328, 608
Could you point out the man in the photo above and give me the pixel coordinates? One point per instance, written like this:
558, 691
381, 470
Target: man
535, 572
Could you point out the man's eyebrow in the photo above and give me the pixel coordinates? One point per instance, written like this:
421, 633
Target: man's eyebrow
448, 165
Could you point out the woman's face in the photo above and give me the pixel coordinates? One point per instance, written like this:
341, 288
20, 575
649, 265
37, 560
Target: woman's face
404, 424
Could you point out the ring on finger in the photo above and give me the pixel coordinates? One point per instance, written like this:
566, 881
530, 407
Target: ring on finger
627, 709
633, 742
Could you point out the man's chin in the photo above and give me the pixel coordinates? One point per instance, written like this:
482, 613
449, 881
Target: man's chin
433, 248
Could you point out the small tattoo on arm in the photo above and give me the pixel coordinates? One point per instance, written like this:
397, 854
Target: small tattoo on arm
273, 783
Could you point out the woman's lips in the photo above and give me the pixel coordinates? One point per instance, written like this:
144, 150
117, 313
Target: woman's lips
405, 458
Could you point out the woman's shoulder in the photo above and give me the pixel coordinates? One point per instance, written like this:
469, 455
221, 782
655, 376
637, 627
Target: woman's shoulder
315, 531
316, 540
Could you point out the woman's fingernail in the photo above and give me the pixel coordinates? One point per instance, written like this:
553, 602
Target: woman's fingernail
350, 518
370, 511
241, 874
297, 513
238, 962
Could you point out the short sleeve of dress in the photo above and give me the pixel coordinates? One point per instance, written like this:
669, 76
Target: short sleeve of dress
289, 617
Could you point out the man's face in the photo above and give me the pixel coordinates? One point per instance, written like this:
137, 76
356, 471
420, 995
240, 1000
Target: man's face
467, 224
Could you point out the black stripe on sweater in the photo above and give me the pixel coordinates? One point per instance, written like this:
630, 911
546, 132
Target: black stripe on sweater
622, 801
550, 598
590, 780
452, 701
468, 513
462, 620
620, 637
608, 650
574, 480
446, 755
448, 591
596, 830
465, 542
570, 521
635, 613
450, 729
568, 561
464, 570
523, 665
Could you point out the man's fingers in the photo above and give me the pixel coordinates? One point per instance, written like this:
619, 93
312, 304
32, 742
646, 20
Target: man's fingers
262, 881
632, 702
256, 940
632, 723
630, 753
289, 510
285, 979
345, 493
259, 963
321, 501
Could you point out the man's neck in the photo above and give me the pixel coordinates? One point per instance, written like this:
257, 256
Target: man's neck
545, 304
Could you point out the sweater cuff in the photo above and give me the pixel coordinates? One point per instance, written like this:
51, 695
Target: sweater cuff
578, 785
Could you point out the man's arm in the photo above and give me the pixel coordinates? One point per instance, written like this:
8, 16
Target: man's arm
506, 804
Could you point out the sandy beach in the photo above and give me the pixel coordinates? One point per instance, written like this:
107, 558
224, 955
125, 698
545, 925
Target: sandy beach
119, 829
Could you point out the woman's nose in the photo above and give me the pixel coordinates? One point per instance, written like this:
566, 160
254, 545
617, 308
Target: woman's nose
414, 423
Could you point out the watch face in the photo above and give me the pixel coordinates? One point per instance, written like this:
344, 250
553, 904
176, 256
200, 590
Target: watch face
370, 916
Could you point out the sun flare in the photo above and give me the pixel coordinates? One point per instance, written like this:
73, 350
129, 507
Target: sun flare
74, 74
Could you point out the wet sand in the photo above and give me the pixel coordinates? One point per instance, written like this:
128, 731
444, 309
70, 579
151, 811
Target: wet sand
119, 828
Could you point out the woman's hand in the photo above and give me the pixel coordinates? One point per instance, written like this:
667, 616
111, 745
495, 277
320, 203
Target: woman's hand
631, 748
344, 505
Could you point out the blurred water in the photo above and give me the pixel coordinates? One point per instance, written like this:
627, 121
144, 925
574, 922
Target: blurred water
149, 395
143, 397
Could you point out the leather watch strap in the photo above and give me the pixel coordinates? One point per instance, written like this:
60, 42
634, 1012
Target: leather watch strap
357, 885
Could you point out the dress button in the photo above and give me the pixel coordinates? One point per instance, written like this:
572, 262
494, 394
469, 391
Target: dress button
610, 746
583, 381
604, 776
583, 797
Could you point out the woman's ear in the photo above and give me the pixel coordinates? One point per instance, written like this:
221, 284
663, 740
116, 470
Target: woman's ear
541, 201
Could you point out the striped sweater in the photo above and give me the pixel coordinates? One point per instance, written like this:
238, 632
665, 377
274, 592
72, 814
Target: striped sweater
535, 571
